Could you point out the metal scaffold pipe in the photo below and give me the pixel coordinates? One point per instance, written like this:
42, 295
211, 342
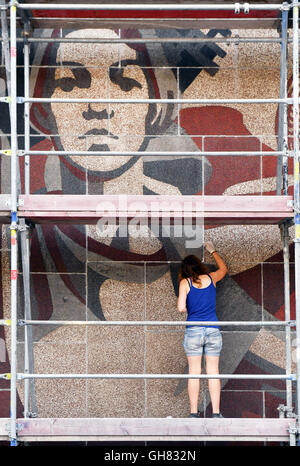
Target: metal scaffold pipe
14, 253
156, 323
152, 153
27, 109
158, 376
151, 7
282, 109
287, 310
147, 40
22, 100
296, 189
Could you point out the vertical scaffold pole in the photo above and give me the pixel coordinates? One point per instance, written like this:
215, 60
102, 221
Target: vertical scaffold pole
282, 176
288, 346
14, 253
282, 183
30, 407
296, 188
26, 109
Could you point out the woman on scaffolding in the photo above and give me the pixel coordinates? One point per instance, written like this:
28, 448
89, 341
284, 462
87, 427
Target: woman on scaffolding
197, 297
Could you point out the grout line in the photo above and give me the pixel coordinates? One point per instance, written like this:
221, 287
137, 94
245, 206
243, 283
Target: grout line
262, 290
210, 136
261, 168
145, 342
86, 169
56, 273
86, 317
178, 106
270, 68
203, 180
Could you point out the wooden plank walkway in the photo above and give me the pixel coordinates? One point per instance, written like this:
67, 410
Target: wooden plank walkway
202, 429
88, 209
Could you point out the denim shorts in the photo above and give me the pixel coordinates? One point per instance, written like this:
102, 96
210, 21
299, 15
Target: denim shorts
202, 340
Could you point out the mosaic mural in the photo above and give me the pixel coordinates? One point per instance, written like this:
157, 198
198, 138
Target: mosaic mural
78, 274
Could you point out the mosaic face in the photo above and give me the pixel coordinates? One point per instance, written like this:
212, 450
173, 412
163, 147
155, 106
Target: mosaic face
108, 71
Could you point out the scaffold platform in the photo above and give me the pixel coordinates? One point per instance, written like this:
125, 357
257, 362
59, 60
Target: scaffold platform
88, 209
151, 429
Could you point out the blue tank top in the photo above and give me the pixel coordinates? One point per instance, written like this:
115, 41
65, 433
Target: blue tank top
201, 303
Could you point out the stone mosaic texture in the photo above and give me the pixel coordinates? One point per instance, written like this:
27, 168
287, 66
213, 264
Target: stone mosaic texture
79, 274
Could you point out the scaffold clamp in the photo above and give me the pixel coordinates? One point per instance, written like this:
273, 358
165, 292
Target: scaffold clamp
294, 429
19, 427
287, 152
296, 209
237, 8
244, 6
23, 226
285, 6
286, 411
6, 99
14, 220
30, 414
13, 3
6, 322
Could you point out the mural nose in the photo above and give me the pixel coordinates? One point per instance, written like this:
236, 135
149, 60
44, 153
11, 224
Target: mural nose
92, 114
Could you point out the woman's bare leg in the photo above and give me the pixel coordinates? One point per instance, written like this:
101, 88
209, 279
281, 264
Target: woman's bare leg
214, 385
194, 363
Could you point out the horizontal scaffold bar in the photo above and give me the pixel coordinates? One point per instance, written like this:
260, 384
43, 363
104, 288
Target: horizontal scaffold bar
145, 40
156, 323
21, 376
162, 6
155, 153
93, 40
22, 100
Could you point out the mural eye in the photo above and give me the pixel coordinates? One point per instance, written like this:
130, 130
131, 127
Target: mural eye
66, 84
125, 84
74, 74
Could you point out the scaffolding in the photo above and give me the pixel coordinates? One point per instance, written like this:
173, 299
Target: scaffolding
20, 210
